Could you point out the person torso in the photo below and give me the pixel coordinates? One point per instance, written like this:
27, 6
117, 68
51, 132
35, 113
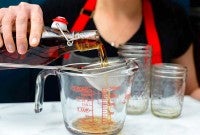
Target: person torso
174, 31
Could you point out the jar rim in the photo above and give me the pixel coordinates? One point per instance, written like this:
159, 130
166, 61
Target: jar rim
169, 69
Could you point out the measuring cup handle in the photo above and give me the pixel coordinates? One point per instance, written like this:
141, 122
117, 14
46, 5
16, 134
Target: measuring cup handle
39, 89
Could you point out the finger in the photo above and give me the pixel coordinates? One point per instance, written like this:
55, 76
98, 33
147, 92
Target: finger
1, 40
2, 11
7, 23
21, 29
37, 25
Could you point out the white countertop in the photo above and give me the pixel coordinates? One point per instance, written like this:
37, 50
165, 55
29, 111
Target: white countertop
20, 119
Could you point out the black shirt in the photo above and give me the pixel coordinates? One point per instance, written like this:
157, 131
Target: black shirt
172, 24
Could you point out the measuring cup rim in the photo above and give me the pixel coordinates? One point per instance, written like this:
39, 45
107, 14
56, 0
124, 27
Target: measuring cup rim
125, 72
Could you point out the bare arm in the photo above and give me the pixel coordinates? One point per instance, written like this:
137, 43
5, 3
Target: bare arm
18, 17
192, 87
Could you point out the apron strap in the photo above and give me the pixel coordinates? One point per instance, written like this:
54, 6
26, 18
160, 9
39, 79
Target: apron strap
85, 15
151, 32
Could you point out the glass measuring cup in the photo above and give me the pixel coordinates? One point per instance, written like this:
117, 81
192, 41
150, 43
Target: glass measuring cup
94, 100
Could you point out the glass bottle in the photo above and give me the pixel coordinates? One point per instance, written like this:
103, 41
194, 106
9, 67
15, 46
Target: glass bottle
53, 44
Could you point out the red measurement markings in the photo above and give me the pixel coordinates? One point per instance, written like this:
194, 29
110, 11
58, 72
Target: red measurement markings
126, 98
84, 109
86, 97
113, 95
84, 91
87, 102
114, 88
104, 105
81, 89
107, 105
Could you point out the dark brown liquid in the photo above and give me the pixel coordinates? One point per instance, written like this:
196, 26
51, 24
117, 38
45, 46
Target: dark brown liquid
86, 45
52, 41
78, 45
95, 125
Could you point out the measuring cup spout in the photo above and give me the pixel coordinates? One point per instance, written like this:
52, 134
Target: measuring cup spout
39, 90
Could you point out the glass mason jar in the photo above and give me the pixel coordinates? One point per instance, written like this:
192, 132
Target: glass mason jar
167, 89
140, 91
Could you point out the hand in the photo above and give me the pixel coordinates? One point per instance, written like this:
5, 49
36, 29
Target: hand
18, 18
196, 94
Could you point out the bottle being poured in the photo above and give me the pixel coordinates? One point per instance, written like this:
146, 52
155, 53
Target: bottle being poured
56, 41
